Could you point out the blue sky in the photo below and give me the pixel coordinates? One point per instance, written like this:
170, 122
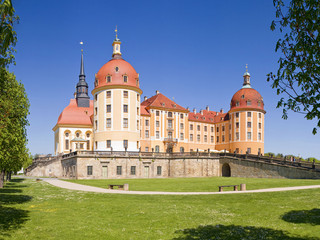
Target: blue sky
194, 51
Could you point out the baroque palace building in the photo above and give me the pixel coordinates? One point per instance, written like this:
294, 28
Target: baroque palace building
118, 119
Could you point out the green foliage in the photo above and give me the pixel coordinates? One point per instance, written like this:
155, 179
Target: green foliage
8, 37
298, 76
269, 154
14, 108
37, 210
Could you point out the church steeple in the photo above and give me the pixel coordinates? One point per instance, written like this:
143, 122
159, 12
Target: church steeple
116, 46
246, 79
82, 97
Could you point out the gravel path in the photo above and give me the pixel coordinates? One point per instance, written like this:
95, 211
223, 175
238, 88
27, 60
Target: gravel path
80, 187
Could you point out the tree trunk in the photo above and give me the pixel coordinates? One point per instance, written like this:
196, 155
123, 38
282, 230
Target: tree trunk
2, 178
9, 176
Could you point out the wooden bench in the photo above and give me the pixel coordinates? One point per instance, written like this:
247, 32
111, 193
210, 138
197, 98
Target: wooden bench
124, 187
235, 187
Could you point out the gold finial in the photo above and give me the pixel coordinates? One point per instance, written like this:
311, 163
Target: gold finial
246, 67
116, 31
81, 43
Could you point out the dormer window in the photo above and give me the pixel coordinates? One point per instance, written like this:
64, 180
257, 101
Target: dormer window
125, 78
137, 82
242, 96
117, 69
174, 105
108, 79
237, 104
163, 104
248, 103
259, 103
203, 118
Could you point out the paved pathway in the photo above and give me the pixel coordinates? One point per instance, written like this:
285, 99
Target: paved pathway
79, 187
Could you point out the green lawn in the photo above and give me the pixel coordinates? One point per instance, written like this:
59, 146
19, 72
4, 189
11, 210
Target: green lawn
196, 184
37, 210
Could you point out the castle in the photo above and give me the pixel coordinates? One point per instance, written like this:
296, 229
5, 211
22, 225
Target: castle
117, 119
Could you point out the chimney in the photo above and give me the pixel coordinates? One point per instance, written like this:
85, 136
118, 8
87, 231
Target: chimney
157, 92
145, 98
188, 108
221, 110
207, 108
217, 113
194, 111
201, 112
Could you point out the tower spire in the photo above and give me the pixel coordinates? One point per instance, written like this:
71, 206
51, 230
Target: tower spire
116, 46
246, 78
82, 96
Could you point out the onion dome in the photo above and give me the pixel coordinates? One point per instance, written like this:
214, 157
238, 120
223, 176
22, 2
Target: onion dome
247, 97
117, 72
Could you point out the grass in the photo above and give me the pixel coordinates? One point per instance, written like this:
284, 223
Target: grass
196, 184
37, 210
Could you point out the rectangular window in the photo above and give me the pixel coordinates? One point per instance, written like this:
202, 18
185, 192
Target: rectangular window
169, 114
157, 113
108, 94
259, 125
138, 111
259, 136
81, 145
89, 170
169, 123
237, 124
138, 125
259, 115
205, 138
237, 136
125, 94
119, 170
212, 139
67, 144
95, 111
138, 97
108, 108
181, 125
125, 122
157, 148
237, 114
88, 144
191, 126
217, 139
147, 134
108, 122
169, 134
205, 128
248, 114
125, 108
108, 79
108, 143
249, 124
147, 149
159, 170
249, 135
223, 128
157, 134
96, 125
147, 123
133, 170
198, 138
223, 138
217, 129
125, 78
181, 115
191, 137
157, 124
181, 136
212, 129
125, 143
198, 128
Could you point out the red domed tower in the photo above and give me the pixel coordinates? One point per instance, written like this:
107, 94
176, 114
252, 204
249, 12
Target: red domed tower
247, 119
116, 104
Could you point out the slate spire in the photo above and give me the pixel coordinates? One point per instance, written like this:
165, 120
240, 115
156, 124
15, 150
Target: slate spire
82, 97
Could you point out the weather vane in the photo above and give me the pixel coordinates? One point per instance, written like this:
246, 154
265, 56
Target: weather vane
246, 67
116, 31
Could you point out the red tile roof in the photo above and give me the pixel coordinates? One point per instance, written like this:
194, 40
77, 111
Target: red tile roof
242, 96
74, 115
208, 116
161, 102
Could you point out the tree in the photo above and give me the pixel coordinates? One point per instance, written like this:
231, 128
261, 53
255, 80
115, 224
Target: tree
298, 76
14, 104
